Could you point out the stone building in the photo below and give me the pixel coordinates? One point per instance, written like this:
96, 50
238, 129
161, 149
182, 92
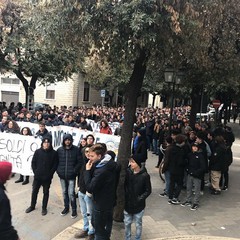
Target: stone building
73, 92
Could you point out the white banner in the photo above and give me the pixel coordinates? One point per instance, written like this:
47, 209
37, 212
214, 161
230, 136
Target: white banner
19, 149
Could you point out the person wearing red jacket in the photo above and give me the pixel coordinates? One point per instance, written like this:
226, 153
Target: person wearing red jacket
104, 127
7, 231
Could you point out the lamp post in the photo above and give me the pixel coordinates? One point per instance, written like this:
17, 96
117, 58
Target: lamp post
172, 77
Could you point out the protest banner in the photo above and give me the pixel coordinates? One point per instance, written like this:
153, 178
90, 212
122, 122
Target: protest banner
19, 149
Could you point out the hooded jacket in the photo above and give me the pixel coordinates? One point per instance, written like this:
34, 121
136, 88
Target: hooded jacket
7, 231
140, 145
70, 160
137, 188
175, 159
44, 162
103, 183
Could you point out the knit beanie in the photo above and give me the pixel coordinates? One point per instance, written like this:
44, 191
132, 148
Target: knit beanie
137, 160
5, 171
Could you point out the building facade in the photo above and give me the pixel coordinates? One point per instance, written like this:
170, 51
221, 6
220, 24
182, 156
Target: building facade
73, 92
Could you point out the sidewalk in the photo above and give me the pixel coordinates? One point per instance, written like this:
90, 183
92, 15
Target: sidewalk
217, 218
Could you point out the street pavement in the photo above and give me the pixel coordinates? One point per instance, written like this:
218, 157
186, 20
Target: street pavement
217, 218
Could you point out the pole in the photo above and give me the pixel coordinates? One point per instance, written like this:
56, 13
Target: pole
102, 101
171, 110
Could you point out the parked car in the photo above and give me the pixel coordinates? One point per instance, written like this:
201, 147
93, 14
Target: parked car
37, 106
207, 115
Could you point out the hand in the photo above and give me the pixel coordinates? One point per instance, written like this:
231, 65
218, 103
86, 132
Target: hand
89, 165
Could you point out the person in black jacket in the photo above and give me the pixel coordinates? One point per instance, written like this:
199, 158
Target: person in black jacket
7, 231
102, 184
70, 162
137, 188
176, 164
140, 145
85, 202
42, 132
195, 169
44, 165
217, 164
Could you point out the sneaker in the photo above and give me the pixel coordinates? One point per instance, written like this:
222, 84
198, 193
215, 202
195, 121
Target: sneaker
44, 212
225, 188
30, 209
216, 192
194, 207
90, 237
175, 201
186, 204
74, 214
81, 234
162, 194
19, 180
64, 212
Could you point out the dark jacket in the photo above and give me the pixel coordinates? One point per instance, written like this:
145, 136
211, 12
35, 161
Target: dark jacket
84, 125
218, 160
7, 231
103, 183
196, 166
69, 160
137, 188
175, 159
44, 163
140, 147
43, 134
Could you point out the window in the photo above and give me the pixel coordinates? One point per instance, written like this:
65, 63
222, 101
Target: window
8, 80
50, 91
86, 91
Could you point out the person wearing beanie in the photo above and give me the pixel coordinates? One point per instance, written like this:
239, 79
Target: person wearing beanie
44, 165
7, 231
137, 188
140, 145
195, 170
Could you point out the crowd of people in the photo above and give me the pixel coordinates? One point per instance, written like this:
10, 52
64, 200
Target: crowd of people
190, 157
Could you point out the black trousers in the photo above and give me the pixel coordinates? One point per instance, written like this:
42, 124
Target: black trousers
176, 184
35, 189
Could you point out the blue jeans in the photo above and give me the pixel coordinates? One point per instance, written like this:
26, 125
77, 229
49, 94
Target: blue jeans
155, 146
86, 210
102, 222
128, 220
68, 190
167, 182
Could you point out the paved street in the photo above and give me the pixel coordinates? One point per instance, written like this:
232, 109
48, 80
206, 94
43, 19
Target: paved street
218, 216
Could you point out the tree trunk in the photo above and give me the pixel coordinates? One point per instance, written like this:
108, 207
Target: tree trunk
29, 88
132, 91
195, 97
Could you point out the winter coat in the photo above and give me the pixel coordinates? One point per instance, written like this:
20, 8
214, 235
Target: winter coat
69, 160
7, 231
106, 130
196, 164
218, 160
43, 134
103, 183
85, 125
137, 188
175, 159
44, 163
